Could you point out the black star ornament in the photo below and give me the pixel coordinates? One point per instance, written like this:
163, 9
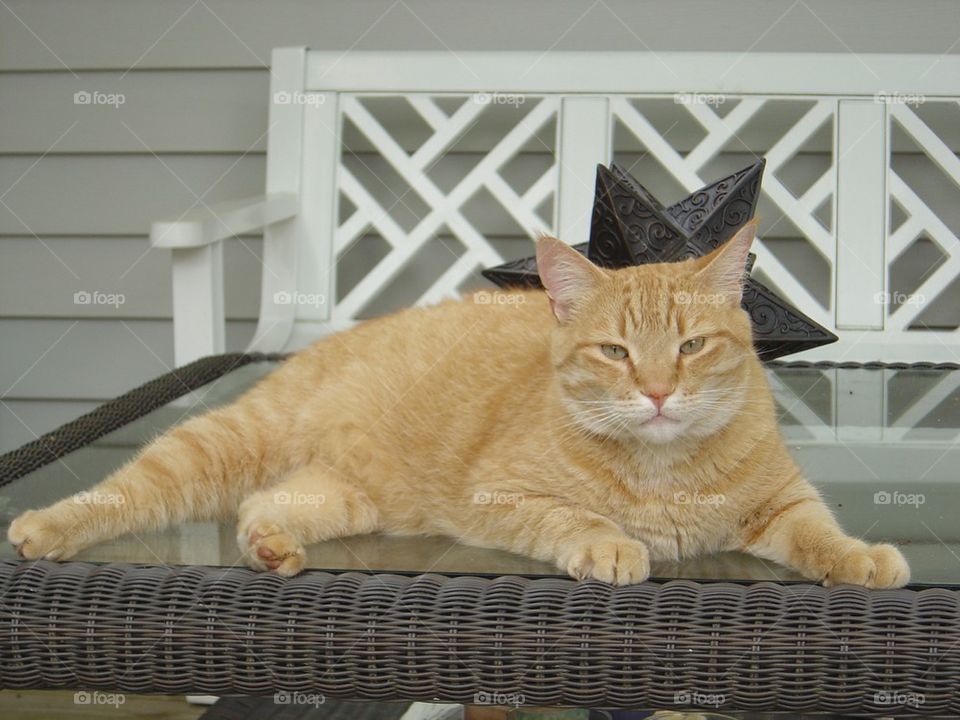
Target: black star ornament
631, 227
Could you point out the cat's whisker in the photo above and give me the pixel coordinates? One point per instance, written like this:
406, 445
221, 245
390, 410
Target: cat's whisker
597, 421
578, 419
582, 422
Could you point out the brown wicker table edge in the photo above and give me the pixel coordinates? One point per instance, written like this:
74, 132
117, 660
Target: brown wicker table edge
553, 641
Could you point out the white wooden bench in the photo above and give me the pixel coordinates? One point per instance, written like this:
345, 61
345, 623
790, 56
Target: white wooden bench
873, 124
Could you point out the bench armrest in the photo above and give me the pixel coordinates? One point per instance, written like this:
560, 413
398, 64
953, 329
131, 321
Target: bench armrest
207, 225
199, 322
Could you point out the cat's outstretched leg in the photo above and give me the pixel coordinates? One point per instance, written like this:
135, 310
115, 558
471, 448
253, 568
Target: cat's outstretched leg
581, 542
798, 530
312, 504
197, 470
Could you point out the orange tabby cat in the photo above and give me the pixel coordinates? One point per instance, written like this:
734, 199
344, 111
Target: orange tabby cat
572, 425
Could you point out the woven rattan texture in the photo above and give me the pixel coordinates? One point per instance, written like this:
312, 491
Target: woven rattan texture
548, 641
120, 411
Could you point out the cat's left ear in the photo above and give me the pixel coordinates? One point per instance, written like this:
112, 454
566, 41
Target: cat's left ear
566, 275
723, 269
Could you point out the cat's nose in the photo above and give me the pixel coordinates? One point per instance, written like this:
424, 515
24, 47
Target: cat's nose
658, 395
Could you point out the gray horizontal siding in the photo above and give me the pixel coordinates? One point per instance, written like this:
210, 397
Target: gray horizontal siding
225, 111
118, 34
40, 279
163, 112
116, 194
55, 359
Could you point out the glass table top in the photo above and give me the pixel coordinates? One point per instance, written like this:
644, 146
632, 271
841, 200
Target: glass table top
880, 444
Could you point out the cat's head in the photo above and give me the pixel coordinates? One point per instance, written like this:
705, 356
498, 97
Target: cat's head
654, 352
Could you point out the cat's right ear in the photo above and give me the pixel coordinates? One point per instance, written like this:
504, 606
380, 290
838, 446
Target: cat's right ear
724, 268
566, 275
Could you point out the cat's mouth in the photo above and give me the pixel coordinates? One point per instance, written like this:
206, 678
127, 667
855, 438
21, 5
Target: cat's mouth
659, 428
659, 419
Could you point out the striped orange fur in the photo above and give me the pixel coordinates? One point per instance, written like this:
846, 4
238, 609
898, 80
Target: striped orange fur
618, 417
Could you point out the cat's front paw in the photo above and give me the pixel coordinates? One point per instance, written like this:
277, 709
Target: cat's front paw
873, 566
267, 547
620, 562
40, 534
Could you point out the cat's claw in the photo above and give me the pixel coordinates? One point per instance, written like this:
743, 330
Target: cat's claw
34, 536
872, 566
267, 547
623, 562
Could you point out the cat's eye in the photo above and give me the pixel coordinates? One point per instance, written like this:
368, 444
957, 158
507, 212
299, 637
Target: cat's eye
691, 346
614, 352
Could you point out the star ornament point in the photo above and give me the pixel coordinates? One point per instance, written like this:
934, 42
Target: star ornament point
631, 227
